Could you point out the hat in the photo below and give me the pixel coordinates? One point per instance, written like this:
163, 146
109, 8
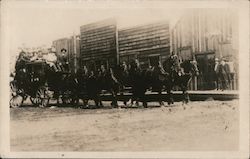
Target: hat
63, 50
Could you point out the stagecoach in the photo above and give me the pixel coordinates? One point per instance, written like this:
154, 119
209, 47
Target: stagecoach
39, 82
29, 81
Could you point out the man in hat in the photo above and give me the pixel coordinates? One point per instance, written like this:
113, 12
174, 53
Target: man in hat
64, 61
224, 72
216, 74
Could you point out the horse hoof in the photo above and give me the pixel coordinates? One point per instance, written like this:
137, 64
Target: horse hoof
119, 107
162, 104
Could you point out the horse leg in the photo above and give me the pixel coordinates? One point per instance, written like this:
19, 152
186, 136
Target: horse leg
100, 101
57, 98
114, 100
137, 99
186, 96
160, 98
96, 102
57, 101
85, 102
170, 97
144, 102
133, 98
142, 96
124, 100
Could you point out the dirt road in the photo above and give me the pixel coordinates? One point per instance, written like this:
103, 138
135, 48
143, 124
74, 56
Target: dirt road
207, 125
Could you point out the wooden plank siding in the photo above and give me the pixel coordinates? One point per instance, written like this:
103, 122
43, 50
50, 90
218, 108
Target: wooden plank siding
208, 33
145, 41
98, 41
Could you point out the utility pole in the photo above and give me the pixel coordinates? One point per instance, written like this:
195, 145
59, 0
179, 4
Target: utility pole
117, 46
74, 46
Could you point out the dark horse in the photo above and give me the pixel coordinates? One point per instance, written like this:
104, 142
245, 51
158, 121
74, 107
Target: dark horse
108, 81
158, 79
140, 81
92, 83
132, 76
181, 74
88, 86
63, 84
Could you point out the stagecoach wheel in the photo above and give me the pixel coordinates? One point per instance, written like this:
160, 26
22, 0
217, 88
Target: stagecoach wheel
16, 98
42, 97
16, 101
35, 101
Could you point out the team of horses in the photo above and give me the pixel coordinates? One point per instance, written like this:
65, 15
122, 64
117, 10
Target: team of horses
88, 84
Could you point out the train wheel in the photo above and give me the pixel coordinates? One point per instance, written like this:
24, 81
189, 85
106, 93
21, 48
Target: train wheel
16, 101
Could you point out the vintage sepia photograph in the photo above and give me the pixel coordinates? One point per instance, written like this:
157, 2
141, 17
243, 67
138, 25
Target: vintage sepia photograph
125, 76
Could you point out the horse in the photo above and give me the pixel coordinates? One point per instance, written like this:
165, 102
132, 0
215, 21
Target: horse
181, 74
82, 76
158, 79
139, 82
63, 84
92, 88
107, 80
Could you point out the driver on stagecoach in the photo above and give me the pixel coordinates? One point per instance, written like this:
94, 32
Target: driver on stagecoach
63, 61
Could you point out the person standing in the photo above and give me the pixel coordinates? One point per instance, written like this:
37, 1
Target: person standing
224, 72
64, 60
216, 74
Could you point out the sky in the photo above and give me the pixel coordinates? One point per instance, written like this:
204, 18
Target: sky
38, 25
